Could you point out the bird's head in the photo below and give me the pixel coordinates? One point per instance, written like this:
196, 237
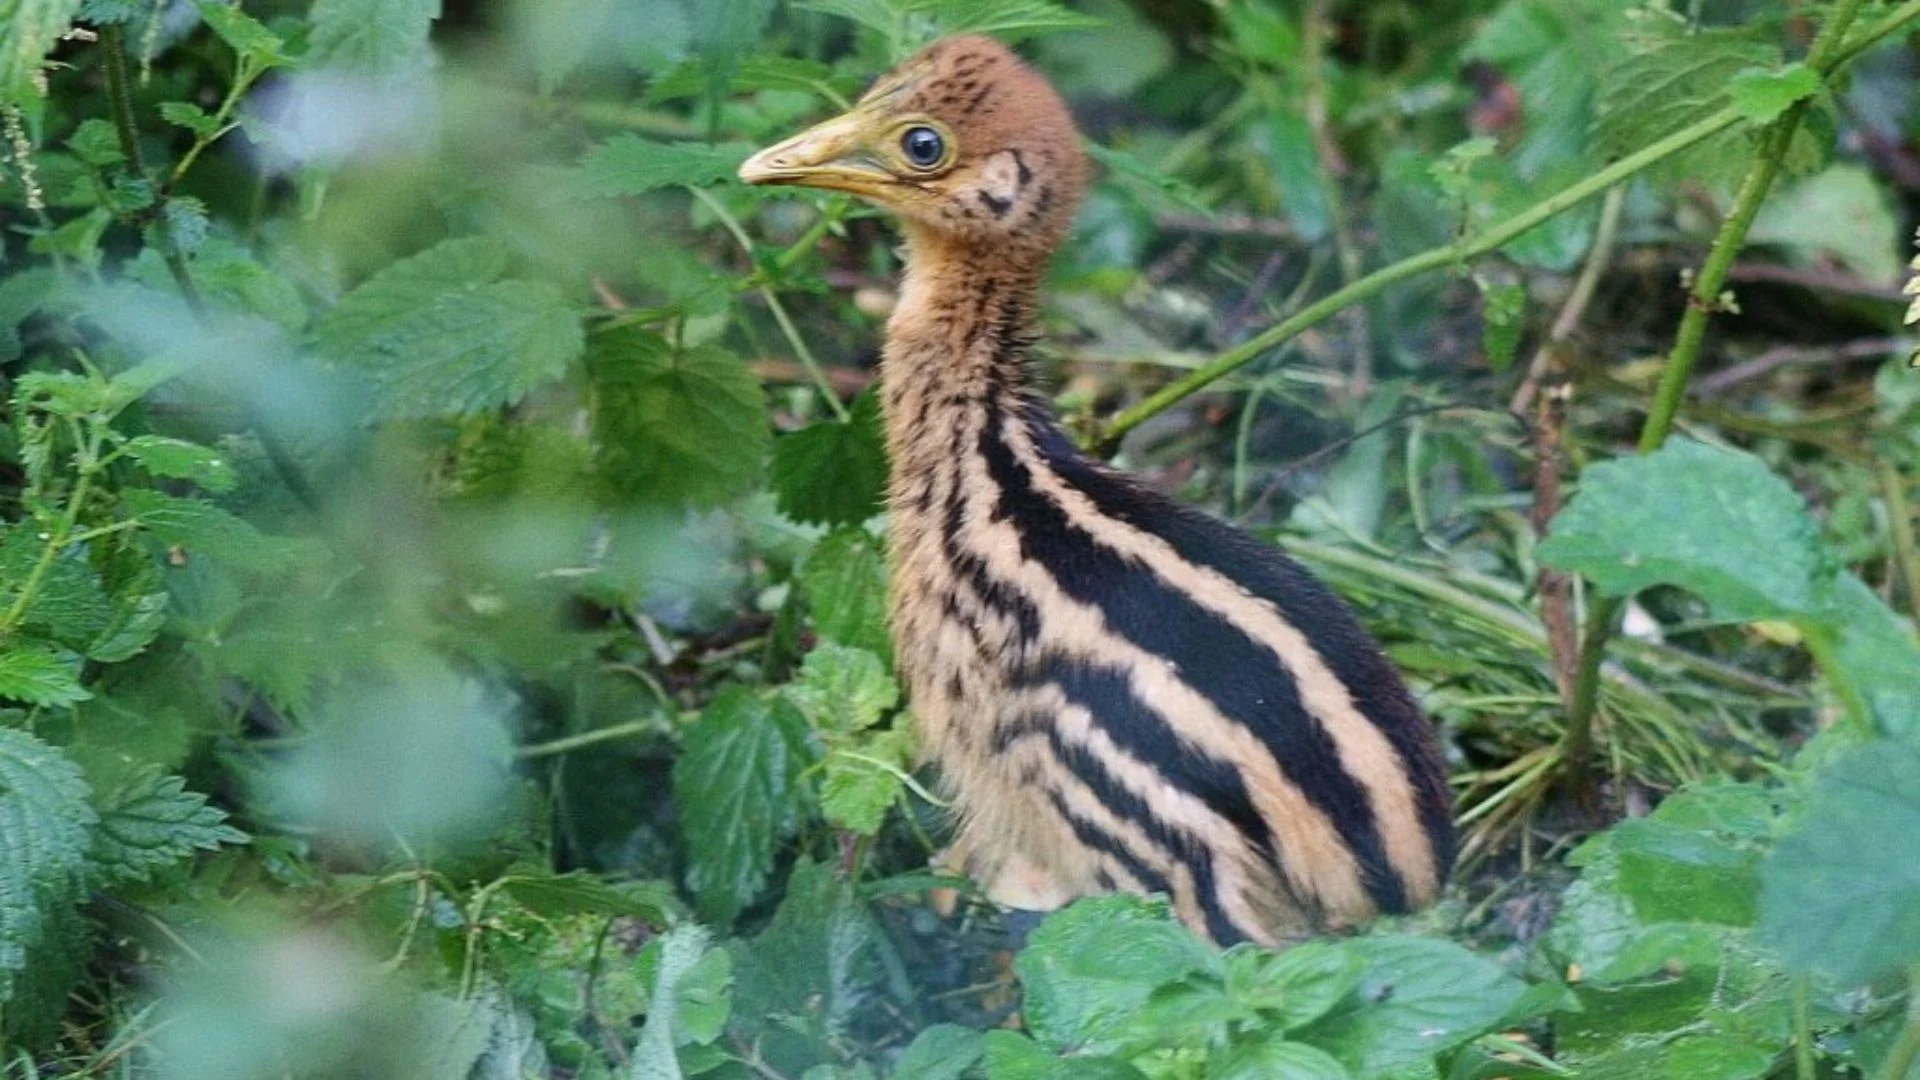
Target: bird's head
963, 140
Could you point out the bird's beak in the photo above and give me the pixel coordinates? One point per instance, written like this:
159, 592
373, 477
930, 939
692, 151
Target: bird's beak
833, 155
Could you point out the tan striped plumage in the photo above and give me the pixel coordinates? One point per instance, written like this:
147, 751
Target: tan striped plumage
1121, 693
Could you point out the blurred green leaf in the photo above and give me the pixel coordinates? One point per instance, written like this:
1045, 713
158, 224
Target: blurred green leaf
675, 425
1842, 212
373, 37
941, 1052
1504, 315
246, 35
1417, 998
1277, 1059
580, 893
832, 473
177, 458
1762, 94
632, 165
439, 334
1671, 76
815, 965
1011, 1056
190, 116
1841, 893
689, 1002
734, 783
149, 821
204, 529
1295, 986
29, 30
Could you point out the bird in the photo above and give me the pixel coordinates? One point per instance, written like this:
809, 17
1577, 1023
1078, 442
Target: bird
1122, 693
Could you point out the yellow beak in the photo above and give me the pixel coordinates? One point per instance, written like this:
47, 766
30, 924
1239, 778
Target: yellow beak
834, 155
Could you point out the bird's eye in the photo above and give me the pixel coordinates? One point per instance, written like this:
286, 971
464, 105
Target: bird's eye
923, 146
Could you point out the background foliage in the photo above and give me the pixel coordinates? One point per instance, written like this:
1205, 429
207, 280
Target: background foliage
442, 585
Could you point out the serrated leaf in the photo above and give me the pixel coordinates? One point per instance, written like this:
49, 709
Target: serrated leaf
690, 79
632, 165
843, 689
149, 821
70, 605
908, 24
581, 893
733, 781
1716, 522
1090, 968
45, 818
845, 577
204, 529
833, 473
182, 222
1417, 998
182, 460
247, 36
1277, 1059
817, 962
675, 425
190, 116
1841, 894
861, 783
941, 1052
373, 37
96, 142
1671, 77
1146, 178
1296, 986
1762, 94
29, 30
39, 675
439, 334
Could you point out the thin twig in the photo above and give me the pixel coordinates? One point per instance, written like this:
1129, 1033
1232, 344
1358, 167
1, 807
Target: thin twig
1906, 551
1788, 355
1820, 280
1577, 302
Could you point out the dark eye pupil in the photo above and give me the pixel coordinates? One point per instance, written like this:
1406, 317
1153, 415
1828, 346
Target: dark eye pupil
923, 146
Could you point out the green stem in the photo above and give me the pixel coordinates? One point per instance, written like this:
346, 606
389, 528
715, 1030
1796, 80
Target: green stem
57, 541
1900, 1059
610, 733
1906, 550
1702, 300
1821, 60
120, 102
1802, 1029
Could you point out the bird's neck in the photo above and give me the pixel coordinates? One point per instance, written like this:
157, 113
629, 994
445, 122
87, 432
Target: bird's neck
958, 340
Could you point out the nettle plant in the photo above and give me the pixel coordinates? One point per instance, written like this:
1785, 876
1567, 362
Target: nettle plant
420, 656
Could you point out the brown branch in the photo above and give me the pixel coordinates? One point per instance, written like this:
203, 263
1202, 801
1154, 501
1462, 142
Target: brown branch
1788, 355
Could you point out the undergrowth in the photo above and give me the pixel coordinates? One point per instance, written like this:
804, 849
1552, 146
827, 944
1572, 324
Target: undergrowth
442, 578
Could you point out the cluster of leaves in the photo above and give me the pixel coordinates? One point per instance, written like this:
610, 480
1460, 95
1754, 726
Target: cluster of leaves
420, 656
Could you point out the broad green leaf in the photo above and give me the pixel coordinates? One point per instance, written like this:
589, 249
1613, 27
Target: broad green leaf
1503, 314
816, 964
1875, 651
845, 577
70, 605
149, 820
688, 1000
1012, 1056
38, 674
373, 37
29, 30
843, 689
941, 1052
833, 473
46, 820
1296, 174
1762, 94
675, 425
633, 165
1673, 872
177, 458
1842, 212
439, 334
204, 530
733, 781
581, 893
1277, 1059
1671, 77
190, 116
1715, 522
859, 783
1554, 52
1841, 894
96, 142
1418, 997
244, 33
1295, 986
754, 73
1090, 968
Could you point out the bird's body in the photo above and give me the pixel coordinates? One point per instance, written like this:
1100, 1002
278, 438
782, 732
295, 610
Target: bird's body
1121, 693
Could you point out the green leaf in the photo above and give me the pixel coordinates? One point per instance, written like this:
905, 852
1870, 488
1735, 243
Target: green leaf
688, 1003
845, 577
1504, 315
1716, 522
46, 820
908, 24
39, 675
734, 784
941, 1052
816, 964
1842, 212
1089, 969
246, 34
581, 893
1841, 894
29, 30
149, 820
843, 689
1296, 986
833, 473
439, 334
859, 784
190, 116
373, 37
1672, 76
96, 142
182, 460
675, 425
1762, 94
1681, 873
1011, 1056
690, 79
1143, 177
632, 165
1876, 653
1277, 1059
1296, 174
204, 529
1418, 997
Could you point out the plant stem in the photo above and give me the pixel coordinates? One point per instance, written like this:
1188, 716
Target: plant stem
1899, 1060
113, 37
1802, 1030
1702, 300
1906, 550
610, 733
